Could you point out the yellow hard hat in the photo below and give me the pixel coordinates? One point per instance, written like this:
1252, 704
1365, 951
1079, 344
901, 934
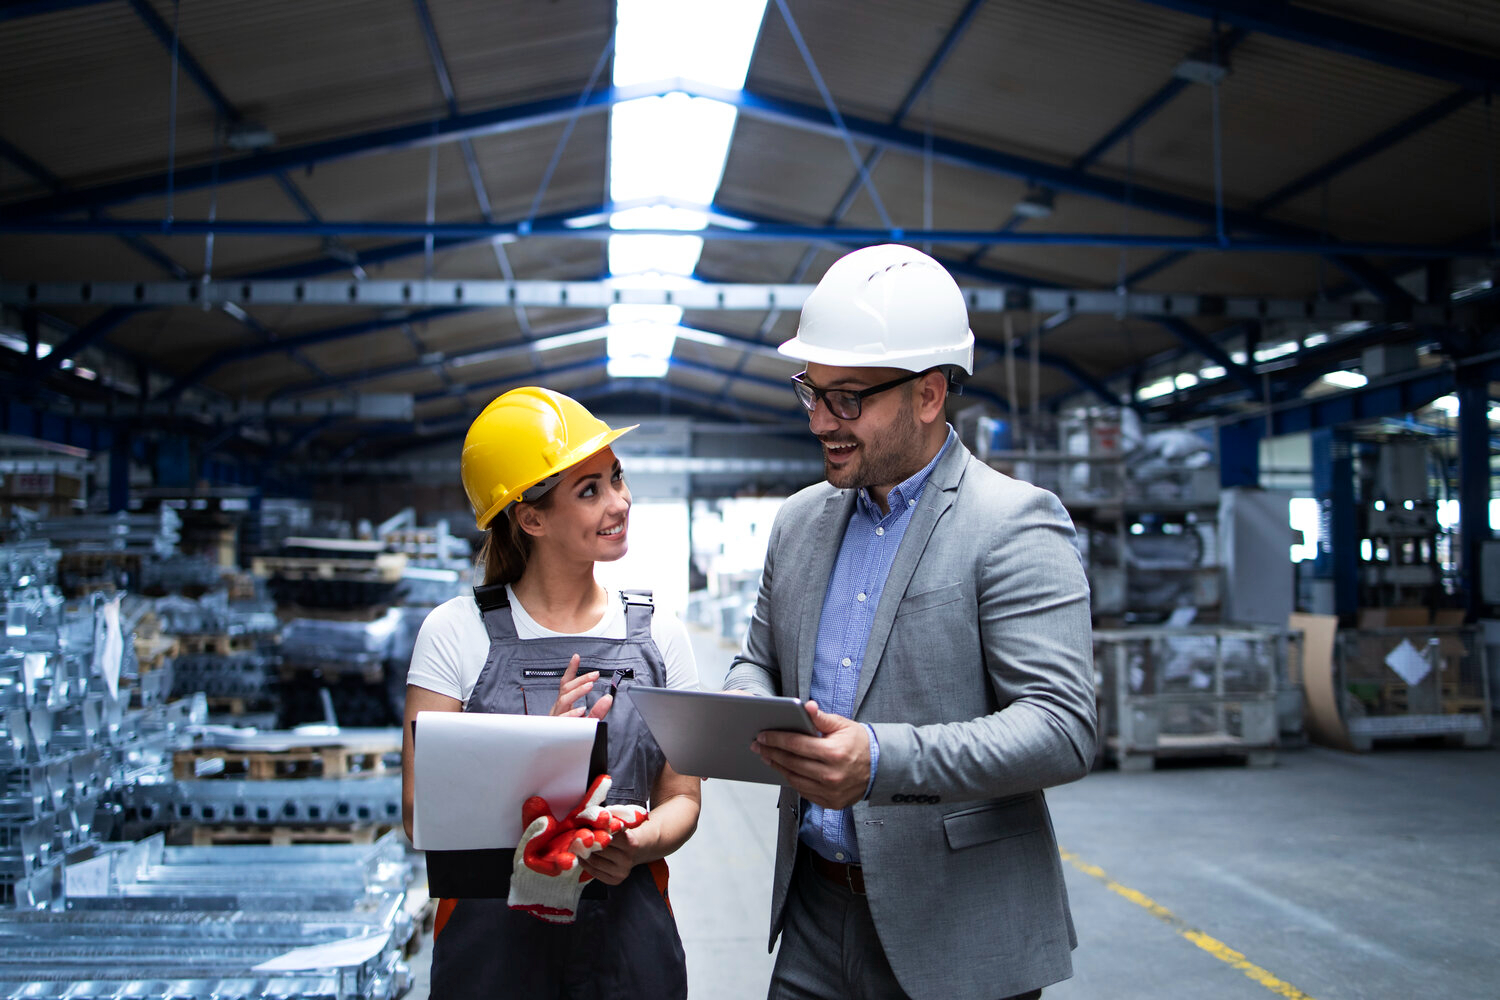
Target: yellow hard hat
523, 437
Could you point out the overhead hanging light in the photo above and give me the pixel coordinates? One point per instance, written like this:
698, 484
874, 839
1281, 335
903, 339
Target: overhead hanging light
1037, 204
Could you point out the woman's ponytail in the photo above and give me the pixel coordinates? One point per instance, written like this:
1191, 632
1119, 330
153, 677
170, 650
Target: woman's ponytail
506, 548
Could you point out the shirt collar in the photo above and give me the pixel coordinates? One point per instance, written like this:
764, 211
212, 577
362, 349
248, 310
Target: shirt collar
910, 489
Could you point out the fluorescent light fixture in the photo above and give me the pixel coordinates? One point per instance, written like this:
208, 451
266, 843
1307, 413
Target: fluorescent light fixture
1186, 380
245, 137
1494, 413
1353, 326
1201, 70
1238, 357
711, 42
18, 344
675, 255
1276, 350
1160, 387
1037, 204
1211, 372
1345, 379
1448, 404
1315, 340
540, 345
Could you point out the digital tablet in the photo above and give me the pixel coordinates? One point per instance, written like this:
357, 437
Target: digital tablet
708, 733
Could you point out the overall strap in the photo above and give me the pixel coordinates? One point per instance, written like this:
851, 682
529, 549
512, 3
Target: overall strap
638, 610
494, 608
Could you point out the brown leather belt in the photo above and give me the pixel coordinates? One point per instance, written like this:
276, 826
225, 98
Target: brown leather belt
851, 877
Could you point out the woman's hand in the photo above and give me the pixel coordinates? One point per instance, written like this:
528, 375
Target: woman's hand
613, 863
572, 687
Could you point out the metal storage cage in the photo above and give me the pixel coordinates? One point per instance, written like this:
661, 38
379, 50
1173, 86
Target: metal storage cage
1199, 691
1404, 683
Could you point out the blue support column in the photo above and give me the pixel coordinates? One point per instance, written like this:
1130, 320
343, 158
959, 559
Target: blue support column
120, 451
1473, 482
1239, 455
1338, 541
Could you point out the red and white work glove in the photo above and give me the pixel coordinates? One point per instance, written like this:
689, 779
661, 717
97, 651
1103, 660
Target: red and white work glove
547, 875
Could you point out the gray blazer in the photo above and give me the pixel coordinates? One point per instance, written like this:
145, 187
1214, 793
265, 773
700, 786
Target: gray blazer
978, 682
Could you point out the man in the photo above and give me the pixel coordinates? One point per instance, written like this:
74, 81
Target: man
936, 614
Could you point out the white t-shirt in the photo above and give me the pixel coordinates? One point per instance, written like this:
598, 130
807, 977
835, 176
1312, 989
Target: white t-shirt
452, 645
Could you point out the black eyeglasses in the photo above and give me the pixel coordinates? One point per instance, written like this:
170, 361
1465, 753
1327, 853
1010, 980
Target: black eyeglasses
846, 404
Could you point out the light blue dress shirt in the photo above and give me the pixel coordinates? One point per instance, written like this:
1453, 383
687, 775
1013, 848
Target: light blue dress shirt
871, 540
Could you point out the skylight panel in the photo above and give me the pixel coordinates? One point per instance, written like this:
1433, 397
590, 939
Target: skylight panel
640, 340
672, 146
676, 255
708, 41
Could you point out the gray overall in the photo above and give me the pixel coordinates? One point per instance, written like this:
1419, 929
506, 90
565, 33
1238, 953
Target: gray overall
624, 943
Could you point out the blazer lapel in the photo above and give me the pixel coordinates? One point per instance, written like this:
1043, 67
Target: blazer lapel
821, 542
937, 497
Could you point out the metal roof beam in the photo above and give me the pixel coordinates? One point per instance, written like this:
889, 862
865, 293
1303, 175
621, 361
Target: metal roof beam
292, 343
1389, 397
457, 295
1205, 345
1299, 243
1151, 106
1351, 38
450, 128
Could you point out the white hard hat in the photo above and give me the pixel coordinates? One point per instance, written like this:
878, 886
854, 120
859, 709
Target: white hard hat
885, 306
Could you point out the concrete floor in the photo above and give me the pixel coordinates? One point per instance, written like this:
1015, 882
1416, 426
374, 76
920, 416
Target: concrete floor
1330, 876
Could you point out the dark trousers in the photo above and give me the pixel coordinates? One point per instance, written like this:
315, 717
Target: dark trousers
829, 947
622, 947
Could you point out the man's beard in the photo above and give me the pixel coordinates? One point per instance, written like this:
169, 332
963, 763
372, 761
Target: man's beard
888, 458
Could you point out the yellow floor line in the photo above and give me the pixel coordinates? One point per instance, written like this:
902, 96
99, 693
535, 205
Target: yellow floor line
1218, 949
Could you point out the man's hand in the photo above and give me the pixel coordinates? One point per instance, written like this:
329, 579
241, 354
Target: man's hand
831, 771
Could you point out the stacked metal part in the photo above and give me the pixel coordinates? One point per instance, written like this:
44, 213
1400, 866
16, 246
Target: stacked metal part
312, 776
176, 574
68, 738
339, 646
181, 923
226, 649
154, 534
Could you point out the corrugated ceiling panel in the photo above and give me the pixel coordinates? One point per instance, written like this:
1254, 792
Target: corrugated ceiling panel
1466, 24
1432, 188
1239, 273
72, 258
1285, 110
180, 338
257, 199
499, 53
87, 95
308, 70
764, 157
869, 56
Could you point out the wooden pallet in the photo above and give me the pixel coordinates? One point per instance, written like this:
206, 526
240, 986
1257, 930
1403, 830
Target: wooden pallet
364, 613
152, 653
222, 644
386, 567
284, 836
275, 765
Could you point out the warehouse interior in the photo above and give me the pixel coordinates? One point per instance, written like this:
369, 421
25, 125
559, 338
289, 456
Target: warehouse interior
1233, 274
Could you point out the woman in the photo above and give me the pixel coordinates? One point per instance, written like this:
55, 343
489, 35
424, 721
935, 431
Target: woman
542, 637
